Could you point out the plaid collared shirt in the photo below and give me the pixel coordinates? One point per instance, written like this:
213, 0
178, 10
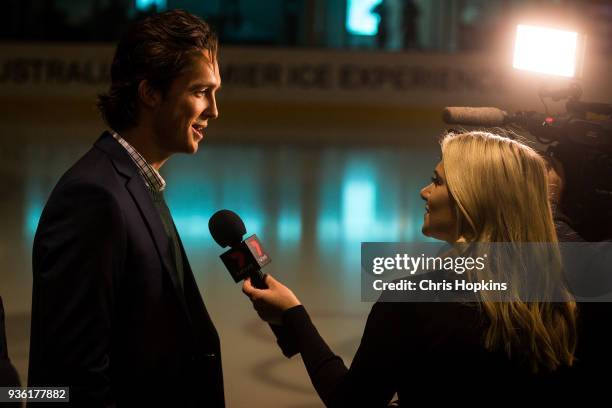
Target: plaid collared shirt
152, 179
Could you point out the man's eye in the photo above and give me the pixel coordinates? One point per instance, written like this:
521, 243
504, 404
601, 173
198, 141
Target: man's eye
436, 180
203, 91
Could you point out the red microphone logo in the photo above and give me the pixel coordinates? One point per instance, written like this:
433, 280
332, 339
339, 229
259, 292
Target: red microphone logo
257, 250
255, 245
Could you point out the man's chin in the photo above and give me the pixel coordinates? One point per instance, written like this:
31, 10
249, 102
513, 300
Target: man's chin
195, 144
192, 147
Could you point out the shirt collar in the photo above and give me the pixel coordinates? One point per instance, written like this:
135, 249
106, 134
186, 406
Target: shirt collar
151, 177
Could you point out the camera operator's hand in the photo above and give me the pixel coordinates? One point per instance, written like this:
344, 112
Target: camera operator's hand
556, 180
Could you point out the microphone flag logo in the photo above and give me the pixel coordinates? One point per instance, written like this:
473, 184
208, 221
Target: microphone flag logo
257, 250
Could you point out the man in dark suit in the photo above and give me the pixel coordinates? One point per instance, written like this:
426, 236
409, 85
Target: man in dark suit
116, 313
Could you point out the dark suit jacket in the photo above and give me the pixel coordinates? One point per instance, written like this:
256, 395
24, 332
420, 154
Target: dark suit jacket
8, 374
108, 318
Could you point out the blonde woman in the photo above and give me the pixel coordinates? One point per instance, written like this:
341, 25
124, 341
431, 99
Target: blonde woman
486, 189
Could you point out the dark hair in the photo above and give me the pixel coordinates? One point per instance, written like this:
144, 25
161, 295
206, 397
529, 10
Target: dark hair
156, 48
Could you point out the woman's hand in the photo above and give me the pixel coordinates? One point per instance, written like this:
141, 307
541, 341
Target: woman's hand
272, 302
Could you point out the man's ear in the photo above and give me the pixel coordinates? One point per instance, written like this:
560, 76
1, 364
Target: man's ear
148, 95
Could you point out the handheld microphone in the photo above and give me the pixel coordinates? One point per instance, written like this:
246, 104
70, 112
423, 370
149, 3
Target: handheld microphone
487, 117
245, 259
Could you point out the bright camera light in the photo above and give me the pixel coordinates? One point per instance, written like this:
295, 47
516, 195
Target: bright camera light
546, 50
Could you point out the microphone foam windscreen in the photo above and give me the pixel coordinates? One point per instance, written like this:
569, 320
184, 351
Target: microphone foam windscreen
226, 228
474, 116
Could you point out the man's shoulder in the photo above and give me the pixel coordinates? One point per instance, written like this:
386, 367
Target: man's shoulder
93, 176
88, 191
93, 169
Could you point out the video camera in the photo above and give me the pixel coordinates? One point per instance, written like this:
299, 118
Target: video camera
580, 138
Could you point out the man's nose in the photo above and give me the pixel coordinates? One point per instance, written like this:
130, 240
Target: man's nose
213, 111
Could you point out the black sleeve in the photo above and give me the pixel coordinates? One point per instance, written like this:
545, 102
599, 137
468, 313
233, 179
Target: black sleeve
372, 378
285, 340
78, 251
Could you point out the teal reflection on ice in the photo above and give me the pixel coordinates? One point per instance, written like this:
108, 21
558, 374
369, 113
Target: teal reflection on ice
358, 208
189, 196
371, 196
328, 215
289, 228
32, 216
369, 207
240, 185
217, 178
191, 226
34, 204
328, 228
287, 196
254, 223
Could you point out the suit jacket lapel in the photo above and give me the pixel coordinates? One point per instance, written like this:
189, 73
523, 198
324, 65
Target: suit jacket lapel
137, 189
194, 298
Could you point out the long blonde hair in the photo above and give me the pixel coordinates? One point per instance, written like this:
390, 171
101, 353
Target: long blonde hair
500, 191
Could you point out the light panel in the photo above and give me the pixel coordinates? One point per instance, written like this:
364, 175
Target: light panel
546, 50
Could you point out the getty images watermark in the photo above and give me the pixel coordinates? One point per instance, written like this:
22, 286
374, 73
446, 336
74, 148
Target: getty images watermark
502, 272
